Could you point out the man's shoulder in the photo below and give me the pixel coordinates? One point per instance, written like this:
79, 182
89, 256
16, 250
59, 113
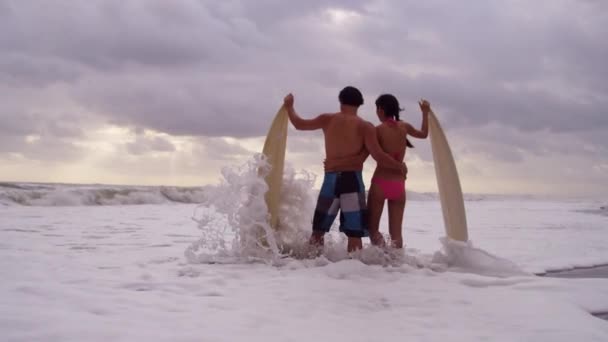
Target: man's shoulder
341, 118
365, 124
329, 115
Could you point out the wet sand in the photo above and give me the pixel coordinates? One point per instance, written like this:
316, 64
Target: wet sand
602, 315
583, 272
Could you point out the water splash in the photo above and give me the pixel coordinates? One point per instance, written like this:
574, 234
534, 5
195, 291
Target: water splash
234, 223
464, 257
234, 218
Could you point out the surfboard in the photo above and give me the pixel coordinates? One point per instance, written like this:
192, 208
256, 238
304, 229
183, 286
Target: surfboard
274, 150
448, 183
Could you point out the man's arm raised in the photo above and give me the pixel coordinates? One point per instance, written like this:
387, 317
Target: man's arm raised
303, 124
372, 145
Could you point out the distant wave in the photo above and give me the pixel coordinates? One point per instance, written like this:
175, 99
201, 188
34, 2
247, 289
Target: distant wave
39, 194
58, 194
599, 210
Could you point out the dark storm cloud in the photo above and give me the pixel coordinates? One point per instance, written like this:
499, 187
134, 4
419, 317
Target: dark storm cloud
44, 148
26, 121
477, 101
19, 70
40, 127
109, 34
220, 68
25, 112
210, 106
523, 65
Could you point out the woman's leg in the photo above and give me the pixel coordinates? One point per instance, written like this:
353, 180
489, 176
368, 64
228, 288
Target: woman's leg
395, 220
375, 205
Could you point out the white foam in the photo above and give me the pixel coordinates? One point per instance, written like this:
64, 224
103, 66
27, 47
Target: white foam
234, 228
463, 256
53, 195
233, 222
118, 272
237, 206
49, 195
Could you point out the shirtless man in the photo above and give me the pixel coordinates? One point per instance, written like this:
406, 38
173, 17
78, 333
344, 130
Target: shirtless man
348, 138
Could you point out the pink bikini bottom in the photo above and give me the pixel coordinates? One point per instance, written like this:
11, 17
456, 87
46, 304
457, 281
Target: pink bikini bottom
393, 189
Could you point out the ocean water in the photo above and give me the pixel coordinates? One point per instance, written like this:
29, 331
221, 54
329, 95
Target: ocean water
98, 263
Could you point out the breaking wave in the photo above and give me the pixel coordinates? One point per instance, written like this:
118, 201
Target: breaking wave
34, 194
49, 195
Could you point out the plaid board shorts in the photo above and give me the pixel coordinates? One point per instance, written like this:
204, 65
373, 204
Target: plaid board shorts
343, 191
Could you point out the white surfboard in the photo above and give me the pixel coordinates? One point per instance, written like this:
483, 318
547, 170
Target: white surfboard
274, 150
450, 192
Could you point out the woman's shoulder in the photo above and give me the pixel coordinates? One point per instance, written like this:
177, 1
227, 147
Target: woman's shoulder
404, 125
383, 126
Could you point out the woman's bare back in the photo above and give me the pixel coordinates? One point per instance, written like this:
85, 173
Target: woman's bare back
392, 138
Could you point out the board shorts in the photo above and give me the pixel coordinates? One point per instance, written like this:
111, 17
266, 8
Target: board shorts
342, 191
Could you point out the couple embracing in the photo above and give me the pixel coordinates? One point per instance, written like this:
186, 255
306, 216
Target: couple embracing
349, 140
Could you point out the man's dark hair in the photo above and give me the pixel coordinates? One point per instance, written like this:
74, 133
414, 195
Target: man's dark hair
351, 96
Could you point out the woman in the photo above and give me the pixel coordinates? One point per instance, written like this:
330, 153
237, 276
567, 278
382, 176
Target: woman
388, 184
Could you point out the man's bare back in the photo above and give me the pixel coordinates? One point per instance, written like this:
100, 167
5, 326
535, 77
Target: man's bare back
348, 139
344, 142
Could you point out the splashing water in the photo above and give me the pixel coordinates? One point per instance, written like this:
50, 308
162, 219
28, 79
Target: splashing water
235, 229
464, 257
234, 218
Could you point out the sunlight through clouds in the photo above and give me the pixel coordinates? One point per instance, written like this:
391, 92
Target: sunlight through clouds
170, 92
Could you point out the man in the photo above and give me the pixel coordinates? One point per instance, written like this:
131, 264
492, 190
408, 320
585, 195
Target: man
348, 138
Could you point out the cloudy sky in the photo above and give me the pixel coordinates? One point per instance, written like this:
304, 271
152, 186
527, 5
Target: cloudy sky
169, 92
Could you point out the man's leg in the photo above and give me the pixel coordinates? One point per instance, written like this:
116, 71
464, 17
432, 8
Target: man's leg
353, 211
317, 239
325, 210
